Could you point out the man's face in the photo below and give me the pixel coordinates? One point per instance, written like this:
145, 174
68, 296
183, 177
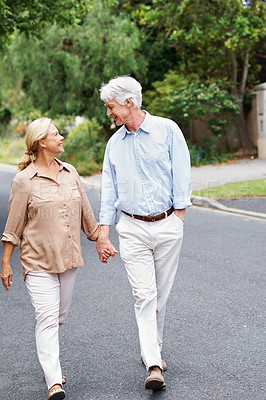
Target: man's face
119, 112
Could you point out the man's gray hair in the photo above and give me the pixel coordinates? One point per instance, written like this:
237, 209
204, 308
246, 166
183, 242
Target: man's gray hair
121, 89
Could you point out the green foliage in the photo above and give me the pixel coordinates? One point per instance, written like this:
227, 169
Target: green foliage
208, 153
12, 97
62, 72
32, 17
84, 147
11, 150
216, 40
64, 123
184, 100
205, 33
189, 55
156, 100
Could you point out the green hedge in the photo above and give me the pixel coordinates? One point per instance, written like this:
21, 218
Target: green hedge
84, 147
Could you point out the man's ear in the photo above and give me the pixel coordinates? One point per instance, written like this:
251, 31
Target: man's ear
129, 103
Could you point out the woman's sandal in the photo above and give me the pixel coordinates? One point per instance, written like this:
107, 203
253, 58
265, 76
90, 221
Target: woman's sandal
56, 393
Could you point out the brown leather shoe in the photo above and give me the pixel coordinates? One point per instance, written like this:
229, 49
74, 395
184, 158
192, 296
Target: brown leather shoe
155, 379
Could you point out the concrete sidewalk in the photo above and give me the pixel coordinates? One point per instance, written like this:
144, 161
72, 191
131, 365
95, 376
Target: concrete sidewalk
207, 176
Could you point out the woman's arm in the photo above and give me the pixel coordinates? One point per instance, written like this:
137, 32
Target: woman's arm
89, 225
6, 270
16, 221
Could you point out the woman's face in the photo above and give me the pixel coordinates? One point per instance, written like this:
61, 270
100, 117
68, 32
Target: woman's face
53, 141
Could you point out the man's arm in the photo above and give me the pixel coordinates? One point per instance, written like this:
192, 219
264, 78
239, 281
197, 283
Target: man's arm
108, 192
181, 172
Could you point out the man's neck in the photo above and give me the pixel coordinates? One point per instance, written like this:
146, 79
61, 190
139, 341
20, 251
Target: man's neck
136, 120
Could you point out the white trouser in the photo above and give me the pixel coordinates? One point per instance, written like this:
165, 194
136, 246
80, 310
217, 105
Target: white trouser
150, 251
51, 295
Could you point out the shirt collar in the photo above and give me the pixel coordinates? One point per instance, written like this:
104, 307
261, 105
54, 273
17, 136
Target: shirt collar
145, 126
32, 171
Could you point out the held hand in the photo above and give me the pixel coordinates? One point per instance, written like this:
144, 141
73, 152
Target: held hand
6, 275
105, 250
106, 254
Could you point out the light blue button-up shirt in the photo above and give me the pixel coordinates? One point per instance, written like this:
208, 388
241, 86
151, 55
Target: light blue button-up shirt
147, 172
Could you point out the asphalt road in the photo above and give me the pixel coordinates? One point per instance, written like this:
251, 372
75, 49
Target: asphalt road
215, 324
257, 204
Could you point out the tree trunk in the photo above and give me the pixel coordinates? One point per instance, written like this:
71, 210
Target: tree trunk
244, 138
245, 141
244, 77
242, 129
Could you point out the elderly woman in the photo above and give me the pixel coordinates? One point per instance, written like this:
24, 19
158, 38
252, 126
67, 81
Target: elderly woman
47, 209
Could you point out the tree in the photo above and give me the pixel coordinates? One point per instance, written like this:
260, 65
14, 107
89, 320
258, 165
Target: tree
62, 72
33, 16
184, 100
215, 39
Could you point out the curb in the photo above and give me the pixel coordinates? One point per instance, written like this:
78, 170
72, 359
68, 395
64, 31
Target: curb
214, 204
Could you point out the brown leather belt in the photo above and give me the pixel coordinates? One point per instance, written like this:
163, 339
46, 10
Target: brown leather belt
152, 218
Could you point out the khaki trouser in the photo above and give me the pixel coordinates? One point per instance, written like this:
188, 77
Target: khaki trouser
150, 251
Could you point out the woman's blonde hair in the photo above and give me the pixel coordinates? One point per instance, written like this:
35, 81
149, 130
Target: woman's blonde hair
35, 131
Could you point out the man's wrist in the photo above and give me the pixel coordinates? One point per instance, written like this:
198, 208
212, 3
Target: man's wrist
104, 231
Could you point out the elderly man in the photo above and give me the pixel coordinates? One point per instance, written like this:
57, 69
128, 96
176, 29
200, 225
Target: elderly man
146, 175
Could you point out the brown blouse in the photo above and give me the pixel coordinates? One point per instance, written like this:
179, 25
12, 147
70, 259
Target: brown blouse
45, 218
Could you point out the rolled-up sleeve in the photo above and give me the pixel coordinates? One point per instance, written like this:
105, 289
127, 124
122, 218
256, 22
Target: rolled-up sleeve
181, 170
109, 191
17, 213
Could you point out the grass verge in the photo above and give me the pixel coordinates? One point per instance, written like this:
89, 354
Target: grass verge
255, 188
